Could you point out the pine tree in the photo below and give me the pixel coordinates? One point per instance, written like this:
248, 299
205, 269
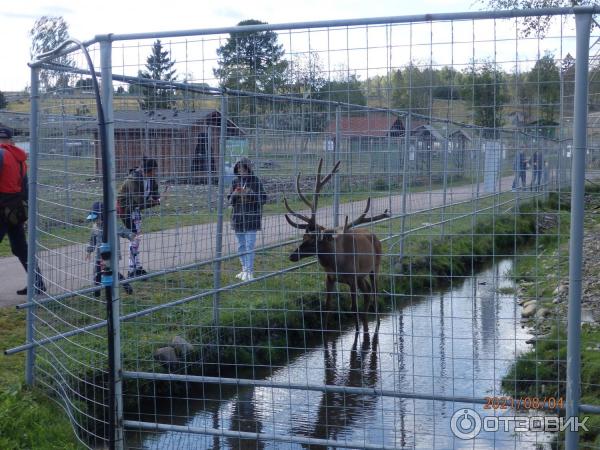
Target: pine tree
159, 67
252, 61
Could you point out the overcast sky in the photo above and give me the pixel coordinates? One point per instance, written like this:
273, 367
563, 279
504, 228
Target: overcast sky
87, 19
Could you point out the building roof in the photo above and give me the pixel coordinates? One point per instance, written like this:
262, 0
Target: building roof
373, 124
165, 119
161, 118
429, 129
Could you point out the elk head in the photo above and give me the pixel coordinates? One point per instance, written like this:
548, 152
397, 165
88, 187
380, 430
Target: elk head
318, 239
314, 233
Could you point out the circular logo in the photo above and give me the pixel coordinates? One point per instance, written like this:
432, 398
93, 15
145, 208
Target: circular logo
465, 423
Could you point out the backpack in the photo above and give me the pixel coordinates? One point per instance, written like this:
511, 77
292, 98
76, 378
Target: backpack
14, 207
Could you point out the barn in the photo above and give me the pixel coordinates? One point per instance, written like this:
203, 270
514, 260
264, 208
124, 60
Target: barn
185, 143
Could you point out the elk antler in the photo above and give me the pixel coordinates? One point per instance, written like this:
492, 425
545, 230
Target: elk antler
319, 183
361, 219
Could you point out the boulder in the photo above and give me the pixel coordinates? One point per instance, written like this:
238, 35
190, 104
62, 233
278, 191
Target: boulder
182, 347
529, 310
542, 312
166, 356
528, 302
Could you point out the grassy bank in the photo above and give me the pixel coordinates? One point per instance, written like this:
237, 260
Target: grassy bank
28, 418
266, 324
541, 372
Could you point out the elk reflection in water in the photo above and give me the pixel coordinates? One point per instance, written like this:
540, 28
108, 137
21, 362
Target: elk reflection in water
337, 412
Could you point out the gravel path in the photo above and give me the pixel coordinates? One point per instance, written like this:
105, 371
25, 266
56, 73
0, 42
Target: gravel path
65, 267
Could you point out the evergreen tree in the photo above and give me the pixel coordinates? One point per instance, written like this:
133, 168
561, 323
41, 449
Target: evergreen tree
252, 61
159, 67
3, 102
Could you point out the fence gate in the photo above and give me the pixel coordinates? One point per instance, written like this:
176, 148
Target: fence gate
463, 130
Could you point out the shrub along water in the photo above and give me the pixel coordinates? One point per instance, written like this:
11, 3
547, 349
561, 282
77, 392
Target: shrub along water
541, 372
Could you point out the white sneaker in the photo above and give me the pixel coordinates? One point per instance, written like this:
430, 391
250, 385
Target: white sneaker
241, 275
248, 276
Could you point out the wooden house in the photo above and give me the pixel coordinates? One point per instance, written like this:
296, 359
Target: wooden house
185, 143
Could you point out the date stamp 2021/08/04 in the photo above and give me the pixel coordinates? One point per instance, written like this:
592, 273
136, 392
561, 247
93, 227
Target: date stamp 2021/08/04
524, 403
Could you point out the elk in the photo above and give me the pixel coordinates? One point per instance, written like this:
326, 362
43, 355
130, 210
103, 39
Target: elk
350, 256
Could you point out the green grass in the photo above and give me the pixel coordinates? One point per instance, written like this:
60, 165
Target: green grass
541, 371
28, 418
261, 323
261, 320
5, 248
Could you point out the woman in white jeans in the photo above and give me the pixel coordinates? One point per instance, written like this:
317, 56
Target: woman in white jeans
247, 198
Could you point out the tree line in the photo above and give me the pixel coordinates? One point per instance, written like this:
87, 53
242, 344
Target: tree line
255, 61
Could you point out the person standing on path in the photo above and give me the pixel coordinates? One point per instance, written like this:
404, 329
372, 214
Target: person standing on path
139, 191
247, 198
520, 170
537, 165
13, 202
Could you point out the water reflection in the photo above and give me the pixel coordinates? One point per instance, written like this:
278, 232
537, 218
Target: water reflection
460, 342
338, 411
245, 417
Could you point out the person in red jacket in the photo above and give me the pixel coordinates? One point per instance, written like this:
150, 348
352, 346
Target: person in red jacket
13, 201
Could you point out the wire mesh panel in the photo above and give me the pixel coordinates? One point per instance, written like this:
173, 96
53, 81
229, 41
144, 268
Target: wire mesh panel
348, 236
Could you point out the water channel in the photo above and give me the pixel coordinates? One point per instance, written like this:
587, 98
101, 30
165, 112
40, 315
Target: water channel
458, 342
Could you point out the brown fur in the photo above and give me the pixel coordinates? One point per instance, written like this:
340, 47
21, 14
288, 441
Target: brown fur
350, 256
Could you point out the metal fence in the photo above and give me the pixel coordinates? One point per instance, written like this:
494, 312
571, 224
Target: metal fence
454, 124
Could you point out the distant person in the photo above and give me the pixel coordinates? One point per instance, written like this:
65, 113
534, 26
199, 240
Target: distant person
537, 164
520, 169
95, 216
139, 191
247, 198
13, 202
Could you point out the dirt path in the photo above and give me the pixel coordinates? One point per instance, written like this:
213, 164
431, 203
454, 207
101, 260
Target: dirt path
65, 268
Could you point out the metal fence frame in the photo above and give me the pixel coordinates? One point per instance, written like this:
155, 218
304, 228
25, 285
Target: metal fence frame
573, 406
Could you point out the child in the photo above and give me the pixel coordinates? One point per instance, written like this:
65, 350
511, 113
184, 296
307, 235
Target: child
139, 191
94, 245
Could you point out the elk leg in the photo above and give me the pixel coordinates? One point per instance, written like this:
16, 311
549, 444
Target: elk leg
354, 306
364, 286
373, 279
329, 286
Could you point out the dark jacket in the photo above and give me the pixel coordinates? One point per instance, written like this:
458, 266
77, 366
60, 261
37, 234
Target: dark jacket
247, 207
132, 196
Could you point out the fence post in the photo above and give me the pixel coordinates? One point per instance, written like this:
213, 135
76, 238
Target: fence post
113, 309
220, 201
583, 20
32, 223
445, 181
209, 179
336, 177
405, 159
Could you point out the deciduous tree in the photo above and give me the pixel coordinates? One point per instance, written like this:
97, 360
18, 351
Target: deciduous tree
485, 92
47, 33
532, 24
